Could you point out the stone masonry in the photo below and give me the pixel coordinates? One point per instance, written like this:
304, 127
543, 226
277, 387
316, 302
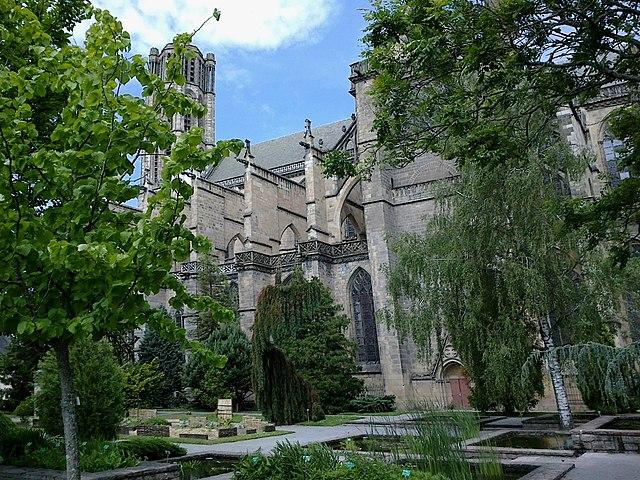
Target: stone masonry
272, 209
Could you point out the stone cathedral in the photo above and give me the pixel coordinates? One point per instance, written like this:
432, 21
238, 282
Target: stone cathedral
272, 209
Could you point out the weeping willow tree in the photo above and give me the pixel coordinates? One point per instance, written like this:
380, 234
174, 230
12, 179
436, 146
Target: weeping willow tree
494, 270
303, 364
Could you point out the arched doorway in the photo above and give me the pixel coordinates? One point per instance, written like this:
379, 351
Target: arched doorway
457, 384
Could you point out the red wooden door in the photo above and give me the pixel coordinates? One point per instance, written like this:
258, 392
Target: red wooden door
460, 392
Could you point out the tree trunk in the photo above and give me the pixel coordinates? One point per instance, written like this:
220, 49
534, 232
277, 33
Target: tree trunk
555, 372
68, 407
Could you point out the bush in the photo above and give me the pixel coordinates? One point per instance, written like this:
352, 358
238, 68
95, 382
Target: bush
15, 442
373, 404
98, 383
27, 447
18, 365
25, 409
150, 448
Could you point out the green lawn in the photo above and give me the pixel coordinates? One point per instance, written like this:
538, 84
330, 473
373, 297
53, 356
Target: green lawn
342, 418
215, 441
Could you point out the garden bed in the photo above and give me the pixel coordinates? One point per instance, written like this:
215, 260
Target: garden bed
552, 421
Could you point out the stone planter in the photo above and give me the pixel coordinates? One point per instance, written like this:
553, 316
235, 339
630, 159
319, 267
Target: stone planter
153, 431
269, 428
199, 436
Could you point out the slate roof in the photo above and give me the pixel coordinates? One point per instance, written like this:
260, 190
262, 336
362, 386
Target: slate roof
281, 151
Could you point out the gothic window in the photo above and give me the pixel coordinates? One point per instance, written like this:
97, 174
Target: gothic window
610, 149
288, 239
366, 334
349, 230
187, 122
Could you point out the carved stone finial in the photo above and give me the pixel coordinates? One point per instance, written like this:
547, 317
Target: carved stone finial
344, 129
321, 142
353, 116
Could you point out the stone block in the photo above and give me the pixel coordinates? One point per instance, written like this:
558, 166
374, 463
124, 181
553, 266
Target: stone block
225, 409
197, 422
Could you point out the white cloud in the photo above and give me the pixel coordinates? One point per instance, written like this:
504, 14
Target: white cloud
249, 24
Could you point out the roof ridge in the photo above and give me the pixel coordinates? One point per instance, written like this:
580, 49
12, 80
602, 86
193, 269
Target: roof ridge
302, 131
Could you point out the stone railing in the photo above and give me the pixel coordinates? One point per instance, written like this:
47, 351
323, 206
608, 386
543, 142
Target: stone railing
232, 182
287, 261
290, 169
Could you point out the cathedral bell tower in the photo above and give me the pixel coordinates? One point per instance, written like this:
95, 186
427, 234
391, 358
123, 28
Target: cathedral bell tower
200, 75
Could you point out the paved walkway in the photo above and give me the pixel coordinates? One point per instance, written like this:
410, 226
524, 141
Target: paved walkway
299, 434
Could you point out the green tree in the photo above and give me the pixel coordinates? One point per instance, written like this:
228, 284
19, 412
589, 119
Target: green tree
492, 272
299, 343
75, 266
18, 365
212, 283
235, 380
99, 387
169, 358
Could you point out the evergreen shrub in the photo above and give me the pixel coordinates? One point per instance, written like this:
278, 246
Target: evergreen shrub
150, 448
373, 404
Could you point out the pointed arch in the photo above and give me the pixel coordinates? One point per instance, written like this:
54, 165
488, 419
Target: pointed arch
235, 245
289, 238
364, 320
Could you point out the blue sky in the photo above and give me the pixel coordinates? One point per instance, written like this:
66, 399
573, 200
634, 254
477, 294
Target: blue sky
278, 61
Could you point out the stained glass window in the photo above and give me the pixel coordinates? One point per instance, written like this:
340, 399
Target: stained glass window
366, 333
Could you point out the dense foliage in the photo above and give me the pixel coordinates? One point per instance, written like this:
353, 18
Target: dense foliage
18, 365
372, 404
494, 253
168, 356
298, 340
98, 384
74, 266
143, 383
27, 447
208, 385
214, 284
319, 462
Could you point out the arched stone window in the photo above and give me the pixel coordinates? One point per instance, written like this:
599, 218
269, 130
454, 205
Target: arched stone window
288, 239
366, 333
349, 229
234, 246
235, 295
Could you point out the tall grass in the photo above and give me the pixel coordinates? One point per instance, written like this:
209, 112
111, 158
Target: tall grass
434, 442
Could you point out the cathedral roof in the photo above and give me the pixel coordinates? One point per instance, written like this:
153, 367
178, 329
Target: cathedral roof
280, 151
